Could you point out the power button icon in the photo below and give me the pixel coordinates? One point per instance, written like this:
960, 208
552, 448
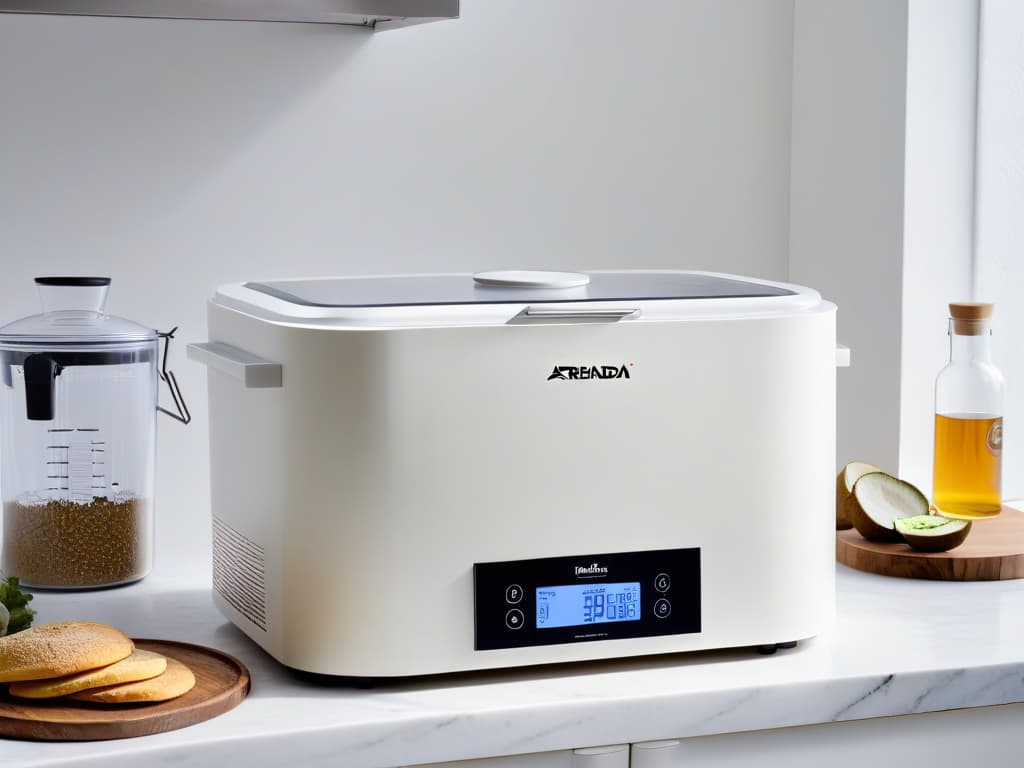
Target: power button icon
662, 582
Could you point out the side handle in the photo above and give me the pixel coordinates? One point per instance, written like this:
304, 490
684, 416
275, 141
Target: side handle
842, 356
253, 371
41, 372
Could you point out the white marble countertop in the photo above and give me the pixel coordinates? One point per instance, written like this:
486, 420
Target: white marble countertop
899, 646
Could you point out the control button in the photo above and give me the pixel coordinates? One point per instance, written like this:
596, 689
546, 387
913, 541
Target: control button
514, 619
662, 608
513, 594
662, 582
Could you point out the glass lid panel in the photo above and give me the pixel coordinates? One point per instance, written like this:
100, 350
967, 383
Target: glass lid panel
432, 290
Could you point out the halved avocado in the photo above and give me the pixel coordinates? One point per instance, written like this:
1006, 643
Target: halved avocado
844, 486
877, 500
933, 533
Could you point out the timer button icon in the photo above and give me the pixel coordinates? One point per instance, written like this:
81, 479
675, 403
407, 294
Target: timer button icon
514, 619
513, 594
662, 582
662, 608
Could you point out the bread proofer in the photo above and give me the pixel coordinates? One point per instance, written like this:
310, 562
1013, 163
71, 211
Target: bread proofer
432, 473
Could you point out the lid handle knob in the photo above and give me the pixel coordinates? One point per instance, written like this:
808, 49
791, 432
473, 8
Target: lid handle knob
60, 294
518, 278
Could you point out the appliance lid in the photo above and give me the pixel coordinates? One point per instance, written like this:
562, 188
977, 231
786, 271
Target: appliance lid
488, 298
73, 314
511, 287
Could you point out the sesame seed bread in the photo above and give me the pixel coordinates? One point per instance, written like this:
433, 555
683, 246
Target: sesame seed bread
176, 680
60, 649
141, 665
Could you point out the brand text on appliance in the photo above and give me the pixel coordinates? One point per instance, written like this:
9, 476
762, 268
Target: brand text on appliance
591, 570
578, 372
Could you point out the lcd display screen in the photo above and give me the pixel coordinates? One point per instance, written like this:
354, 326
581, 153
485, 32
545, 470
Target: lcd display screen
581, 604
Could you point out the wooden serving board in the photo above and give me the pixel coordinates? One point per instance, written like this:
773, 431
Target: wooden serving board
994, 550
221, 683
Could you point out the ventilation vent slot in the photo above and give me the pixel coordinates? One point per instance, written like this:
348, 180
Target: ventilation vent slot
238, 573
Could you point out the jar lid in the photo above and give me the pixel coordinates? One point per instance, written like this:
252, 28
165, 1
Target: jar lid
73, 314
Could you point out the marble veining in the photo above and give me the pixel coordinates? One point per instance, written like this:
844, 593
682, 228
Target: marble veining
853, 705
897, 647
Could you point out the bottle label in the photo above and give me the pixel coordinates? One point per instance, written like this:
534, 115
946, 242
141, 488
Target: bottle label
994, 439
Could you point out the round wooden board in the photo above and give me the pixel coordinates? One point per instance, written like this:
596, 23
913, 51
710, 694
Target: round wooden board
994, 550
221, 683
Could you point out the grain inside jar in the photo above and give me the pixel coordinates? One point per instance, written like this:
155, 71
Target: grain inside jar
68, 544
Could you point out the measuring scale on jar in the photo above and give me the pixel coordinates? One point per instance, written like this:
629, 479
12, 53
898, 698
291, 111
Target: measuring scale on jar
78, 400
75, 463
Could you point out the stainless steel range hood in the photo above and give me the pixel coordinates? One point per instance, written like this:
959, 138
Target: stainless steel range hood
373, 14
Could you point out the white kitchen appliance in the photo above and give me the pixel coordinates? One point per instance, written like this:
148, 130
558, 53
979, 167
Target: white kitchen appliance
434, 473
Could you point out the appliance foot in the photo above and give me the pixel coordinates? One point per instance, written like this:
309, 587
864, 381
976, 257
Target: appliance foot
336, 681
770, 648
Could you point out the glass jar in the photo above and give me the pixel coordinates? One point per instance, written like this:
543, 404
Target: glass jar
969, 419
78, 400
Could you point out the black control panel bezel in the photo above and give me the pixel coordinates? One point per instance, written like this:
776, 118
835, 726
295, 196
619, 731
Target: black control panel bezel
666, 576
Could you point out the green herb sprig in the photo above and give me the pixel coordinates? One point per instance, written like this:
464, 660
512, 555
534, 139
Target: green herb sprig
14, 607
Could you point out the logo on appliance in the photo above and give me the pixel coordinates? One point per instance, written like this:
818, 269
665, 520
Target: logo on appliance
590, 571
578, 372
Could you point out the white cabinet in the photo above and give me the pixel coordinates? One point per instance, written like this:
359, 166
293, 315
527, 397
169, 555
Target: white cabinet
614, 756
655, 754
538, 760
956, 737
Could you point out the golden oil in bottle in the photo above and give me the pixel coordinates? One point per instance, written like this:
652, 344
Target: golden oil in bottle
968, 419
968, 465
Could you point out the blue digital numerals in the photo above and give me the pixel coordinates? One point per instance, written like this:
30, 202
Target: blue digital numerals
611, 606
574, 605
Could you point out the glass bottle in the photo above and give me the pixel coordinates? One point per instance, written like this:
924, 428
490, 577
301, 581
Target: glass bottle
968, 419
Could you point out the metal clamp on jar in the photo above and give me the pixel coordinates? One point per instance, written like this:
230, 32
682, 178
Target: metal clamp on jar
78, 398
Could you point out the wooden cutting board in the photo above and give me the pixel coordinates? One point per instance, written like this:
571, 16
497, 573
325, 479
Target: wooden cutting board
221, 683
994, 550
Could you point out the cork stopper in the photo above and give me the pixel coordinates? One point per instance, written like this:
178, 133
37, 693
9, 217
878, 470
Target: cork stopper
970, 318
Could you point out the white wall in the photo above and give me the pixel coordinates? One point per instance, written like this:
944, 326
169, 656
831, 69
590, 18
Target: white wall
938, 217
999, 274
846, 215
882, 208
176, 155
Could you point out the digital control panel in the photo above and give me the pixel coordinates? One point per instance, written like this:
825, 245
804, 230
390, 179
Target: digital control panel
583, 598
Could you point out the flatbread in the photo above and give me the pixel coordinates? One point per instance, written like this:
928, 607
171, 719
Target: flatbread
176, 680
59, 649
141, 665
